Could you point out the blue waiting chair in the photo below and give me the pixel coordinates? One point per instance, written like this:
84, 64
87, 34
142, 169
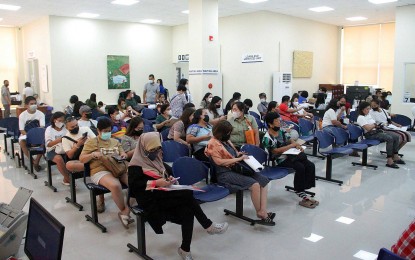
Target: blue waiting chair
35, 142
385, 254
402, 120
192, 171
307, 129
261, 126
254, 114
10, 126
165, 133
325, 140
173, 150
149, 114
353, 116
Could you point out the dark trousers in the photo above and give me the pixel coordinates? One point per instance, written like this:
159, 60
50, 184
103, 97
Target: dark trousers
305, 173
6, 111
391, 139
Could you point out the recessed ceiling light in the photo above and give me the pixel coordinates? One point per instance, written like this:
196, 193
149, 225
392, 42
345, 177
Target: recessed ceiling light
88, 15
10, 7
150, 21
382, 1
185, 11
124, 2
321, 9
356, 18
253, 1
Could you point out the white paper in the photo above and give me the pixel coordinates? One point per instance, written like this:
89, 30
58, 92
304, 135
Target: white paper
393, 127
179, 187
300, 141
294, 151
254, 164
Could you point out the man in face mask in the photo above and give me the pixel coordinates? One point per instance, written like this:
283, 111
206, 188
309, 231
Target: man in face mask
28, 119
85, 120
263, 105
151, 91
5, 98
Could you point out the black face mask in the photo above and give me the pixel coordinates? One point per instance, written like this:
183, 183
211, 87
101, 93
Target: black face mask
217, 106
74, 131
138, 132
152, 155
226, 137
88, 115
276, 128
206, 118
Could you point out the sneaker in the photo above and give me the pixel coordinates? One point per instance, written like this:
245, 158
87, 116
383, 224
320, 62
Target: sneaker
125, 220
184, 255
37, 167
218, 228
101, 207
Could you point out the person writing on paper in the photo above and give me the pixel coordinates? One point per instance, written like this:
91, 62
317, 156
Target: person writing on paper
225, 157
240, 124
276, 142
383, 117
374, 131
146, 172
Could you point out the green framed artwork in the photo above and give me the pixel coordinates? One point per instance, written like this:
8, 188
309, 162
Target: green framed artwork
118, 72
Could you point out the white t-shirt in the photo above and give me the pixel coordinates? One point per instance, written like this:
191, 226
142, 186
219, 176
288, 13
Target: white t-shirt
51, 134
67, 144
365, 120
379, 116
26, 116
328, 116
218, 110
82, 123
28, 91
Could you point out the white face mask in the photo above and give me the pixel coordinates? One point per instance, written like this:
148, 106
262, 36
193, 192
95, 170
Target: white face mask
263, 100
118, 117
58, 124
132, 95
236, 114
151, 81
295, 103
209, 99
33, 108
169, 112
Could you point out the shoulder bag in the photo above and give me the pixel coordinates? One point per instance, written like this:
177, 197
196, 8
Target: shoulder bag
113, 164
249, 134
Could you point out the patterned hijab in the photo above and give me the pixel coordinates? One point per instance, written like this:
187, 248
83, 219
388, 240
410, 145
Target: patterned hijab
147, 142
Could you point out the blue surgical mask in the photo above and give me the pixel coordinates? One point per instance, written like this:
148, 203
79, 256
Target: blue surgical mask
106, 136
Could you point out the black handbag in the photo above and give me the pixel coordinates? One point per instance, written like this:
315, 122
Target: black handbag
243, 168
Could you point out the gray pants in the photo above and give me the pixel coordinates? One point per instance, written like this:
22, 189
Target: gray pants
6, 111
391, 139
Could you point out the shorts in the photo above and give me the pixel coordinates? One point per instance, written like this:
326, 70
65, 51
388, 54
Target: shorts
51, 154
97, 176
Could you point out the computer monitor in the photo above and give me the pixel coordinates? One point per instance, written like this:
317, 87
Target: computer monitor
44, 234
357, 93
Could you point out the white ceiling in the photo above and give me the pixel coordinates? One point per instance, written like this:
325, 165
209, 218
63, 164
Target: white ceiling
169, 11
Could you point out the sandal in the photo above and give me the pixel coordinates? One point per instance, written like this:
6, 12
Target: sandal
307, 203
265, 221
400, 161
393, 165
316, 202
271, 215
125, 220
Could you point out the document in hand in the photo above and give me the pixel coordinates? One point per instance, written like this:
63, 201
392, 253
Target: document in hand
254, 164
293, 151
392, 127
178, 187
300, 141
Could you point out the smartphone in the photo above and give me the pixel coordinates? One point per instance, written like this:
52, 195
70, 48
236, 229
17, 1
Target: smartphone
85, 134
118, 158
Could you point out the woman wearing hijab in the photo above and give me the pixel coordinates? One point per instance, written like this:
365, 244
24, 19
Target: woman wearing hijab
146, 173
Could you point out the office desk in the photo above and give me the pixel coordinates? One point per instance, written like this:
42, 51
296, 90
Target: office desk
20, 109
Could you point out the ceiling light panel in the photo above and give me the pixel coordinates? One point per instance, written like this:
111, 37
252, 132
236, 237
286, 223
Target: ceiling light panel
152, 21
9, 7
356, 18
185, 11
88, 15
321, 9
253, 1
125, 2
377, 2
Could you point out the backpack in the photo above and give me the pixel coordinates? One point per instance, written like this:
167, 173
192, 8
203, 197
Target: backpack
31, 124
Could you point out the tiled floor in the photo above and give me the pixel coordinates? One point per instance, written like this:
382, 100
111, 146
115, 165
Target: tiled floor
381, 202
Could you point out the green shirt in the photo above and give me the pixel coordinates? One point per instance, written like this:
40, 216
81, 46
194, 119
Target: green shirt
130, 102
160, 119
239, 128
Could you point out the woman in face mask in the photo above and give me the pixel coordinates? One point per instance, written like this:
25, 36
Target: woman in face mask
215, 112
146, 173
164, 120
242, 122
199, 133
224, 156
276, 141
134, 131
53, 141
92, 153
126, 112
300, 113
207, 98
117, 122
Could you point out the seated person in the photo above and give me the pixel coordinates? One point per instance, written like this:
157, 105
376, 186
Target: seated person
85, 120
53, 141
117, 123
273, 107
94, 149
287, 113
162, 99
178, 130
164, 120
404, 247
92, 101
134, 131
301, 113
198, 134
248, 104
320, 102
147, 172
374, 131
130, 101
69, 108
382, 117
384, 103
276, 142
347, 105
333, 115
224, 155
76, 108
215, 112
263, 104
126, 113
236, 97
101, 107
241, 123
207, 98
29, 119
303, 97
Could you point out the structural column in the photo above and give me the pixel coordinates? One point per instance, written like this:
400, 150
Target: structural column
204, 49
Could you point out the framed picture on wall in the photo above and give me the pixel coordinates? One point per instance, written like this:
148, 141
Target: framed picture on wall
118, 72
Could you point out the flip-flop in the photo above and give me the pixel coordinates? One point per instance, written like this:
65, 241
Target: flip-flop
125, 220
265, 221
400, 161
314, 201
393, 165
271, 215
307, 203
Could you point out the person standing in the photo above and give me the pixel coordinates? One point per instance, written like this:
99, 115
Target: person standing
5, 98
151, 91
27, 91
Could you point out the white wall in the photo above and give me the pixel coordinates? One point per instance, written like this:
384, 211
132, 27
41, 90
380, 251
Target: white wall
262, 32
80, 47
35, 38
404, 39
8, 60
